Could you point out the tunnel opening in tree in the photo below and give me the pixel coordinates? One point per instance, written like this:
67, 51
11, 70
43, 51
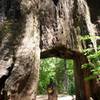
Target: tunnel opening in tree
62, 73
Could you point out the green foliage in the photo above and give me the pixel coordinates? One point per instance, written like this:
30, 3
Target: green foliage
5, 29
90, 77
6, 26
71, 80
54, 68
47, 71
94, 59
60, 74
88, 37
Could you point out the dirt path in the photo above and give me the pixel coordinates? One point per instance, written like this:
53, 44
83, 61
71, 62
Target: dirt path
60, 97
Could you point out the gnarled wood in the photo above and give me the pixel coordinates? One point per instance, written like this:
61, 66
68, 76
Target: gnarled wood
52, 26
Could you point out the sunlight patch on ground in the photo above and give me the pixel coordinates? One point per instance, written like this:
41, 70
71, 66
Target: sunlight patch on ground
66, 97
60, 97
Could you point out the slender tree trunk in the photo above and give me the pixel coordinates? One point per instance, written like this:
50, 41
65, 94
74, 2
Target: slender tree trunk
65, 76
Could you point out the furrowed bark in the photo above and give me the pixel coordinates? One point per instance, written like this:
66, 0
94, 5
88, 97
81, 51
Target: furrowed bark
22, 83
55, 27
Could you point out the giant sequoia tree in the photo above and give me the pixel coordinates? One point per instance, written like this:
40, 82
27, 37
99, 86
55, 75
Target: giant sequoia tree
30, 28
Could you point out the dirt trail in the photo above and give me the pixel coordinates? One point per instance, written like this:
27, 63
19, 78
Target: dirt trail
60, 97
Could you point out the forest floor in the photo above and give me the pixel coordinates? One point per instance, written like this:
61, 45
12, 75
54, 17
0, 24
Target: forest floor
60, 97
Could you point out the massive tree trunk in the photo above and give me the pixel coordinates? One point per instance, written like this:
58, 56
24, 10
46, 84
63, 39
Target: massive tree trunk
22, 83
20, 56
55, 26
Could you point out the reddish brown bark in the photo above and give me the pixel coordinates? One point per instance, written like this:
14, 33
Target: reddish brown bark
82, 86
